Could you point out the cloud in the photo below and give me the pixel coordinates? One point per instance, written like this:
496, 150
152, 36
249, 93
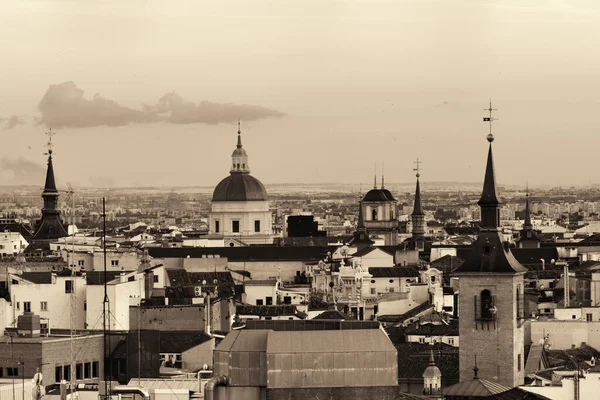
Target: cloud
12, 122
174, 109
20, 171
64, 106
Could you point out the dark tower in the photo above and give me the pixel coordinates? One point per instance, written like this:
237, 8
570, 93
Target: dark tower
361, 237
528, 237
491, 297
418, 218
50, 226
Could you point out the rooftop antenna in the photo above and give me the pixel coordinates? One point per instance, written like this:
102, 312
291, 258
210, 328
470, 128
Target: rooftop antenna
490, 119
382, 175
105, 304
73, 295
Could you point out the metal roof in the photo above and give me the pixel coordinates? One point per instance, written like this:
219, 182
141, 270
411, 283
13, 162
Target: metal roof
367, 340
152, 384
475, 388
244, 340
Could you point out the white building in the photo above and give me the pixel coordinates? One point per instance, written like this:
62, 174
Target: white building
123, 291
240, 205
12, 243
48, 295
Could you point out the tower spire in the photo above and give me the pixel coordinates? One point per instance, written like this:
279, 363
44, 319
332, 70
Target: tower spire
50, 184
239, 139
431, 358
417, 210
375, 176
489, 203
527, 223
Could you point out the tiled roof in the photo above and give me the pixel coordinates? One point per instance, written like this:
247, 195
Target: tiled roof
361, 340
249, 253
517, 394
332, 315
413, 358
310, 325
475, 388
267, 311
37, 277
394, 272
434, 330
181, 277
403, 317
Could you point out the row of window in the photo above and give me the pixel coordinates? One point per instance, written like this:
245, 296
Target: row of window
88, 370
269, 301
27, 306
10, 372
2, 247
235, 226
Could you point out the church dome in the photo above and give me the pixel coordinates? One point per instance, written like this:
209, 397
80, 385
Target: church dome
388, 194
240, 187
378, 195
432, 371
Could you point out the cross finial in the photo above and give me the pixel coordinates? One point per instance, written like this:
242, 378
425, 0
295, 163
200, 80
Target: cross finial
418, 167
239, 127
49, 144
490, 119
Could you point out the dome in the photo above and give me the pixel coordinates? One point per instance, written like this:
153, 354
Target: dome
388, 194
239, 152
240, 187
432, 371
377, 195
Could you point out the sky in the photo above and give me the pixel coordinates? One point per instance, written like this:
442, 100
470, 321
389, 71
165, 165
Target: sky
149, 92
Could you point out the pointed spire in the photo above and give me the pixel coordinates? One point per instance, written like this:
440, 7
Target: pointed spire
360, 226
50, 185
431, 358
417, 209
239, 142
375, 177
489, 195
527, 223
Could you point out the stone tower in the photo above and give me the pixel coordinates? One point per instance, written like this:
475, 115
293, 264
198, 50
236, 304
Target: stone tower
491, 298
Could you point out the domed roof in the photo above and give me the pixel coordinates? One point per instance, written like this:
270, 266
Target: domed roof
239, 152
432, 371
378, 195
240, 187
388, 194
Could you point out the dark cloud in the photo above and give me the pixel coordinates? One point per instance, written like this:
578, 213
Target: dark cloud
64, 106
21, 172
174, 109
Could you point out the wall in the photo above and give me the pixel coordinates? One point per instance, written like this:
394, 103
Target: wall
57, 352
22, 390
377, 258
121, 296
574, 314
58, 302
563, 334
246, 212
588, 389
194, 358
417, 295
12, 243
6, 315
256, 292
168, 318
498, 343
449, 340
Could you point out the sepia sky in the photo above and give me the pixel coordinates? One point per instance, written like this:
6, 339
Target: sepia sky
149, 92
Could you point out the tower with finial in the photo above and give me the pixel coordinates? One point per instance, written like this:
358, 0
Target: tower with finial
378, 208
50, 226
528, 237
240, 205
418, 216
432, 379
491, 295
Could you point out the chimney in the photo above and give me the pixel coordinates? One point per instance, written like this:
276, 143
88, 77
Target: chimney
148, 284
122, 277
28, 325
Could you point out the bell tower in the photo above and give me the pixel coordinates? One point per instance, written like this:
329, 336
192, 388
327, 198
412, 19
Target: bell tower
491, 296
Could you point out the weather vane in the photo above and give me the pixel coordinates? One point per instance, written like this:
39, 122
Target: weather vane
49, 144
418, 168
490, 119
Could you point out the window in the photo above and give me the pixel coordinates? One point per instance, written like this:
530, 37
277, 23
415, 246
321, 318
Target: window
519, 362
588, 317
528, 234
373, 290
1, 372
268, 318
87, 370
67, 372
374, 214
12, 371
18, 305
79, 371
68, 286
391, 290
259, 302
58, 374
391, 281
287, 300
450, 340
114, 263
155, 277
486, 306
85, 306
43, 305
80, 263
257, 226
95, 369
573, 316
421, 340
27, 306
269, 300
217, 227
235, 226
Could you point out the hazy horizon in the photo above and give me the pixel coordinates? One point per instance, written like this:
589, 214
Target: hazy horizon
149, 93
